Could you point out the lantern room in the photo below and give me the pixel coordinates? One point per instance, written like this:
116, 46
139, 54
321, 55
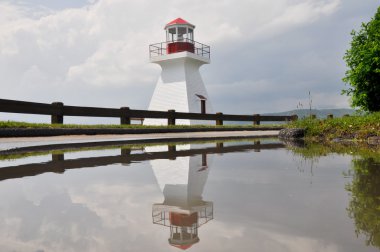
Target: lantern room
179, 36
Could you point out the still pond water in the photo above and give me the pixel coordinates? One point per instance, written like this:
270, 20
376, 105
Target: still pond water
232, 196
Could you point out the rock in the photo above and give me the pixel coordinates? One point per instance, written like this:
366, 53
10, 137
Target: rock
375, 140
291, 133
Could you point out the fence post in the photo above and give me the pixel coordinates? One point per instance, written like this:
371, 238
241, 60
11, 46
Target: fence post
172, 152
219, 121
125, 155
124, 116
57, 118
56, 158
125, 151
171, 117
330, 116
172, 148
256, 144
256, 119
219, 145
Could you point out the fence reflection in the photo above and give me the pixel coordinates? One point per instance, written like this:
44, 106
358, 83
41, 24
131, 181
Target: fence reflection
58, 164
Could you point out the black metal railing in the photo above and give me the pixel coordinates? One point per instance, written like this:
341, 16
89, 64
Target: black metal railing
161, 48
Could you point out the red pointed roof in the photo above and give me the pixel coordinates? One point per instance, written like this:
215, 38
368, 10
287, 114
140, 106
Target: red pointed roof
178, 21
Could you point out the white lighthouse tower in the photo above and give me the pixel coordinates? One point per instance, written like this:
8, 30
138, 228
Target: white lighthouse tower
180, 86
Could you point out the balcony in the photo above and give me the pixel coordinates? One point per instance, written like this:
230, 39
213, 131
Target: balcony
184, 45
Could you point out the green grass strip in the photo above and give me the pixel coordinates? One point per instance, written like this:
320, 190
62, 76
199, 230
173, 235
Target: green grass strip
353, 127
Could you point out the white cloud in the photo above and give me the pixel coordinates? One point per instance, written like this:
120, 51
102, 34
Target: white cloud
49, 54
262, 239
302, 13
114, 203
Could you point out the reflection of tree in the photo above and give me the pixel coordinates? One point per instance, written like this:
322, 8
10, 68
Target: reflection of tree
364, 206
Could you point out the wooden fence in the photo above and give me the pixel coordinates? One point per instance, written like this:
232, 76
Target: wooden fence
57, 110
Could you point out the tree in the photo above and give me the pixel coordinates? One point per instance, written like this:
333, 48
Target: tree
364, 206
363, 61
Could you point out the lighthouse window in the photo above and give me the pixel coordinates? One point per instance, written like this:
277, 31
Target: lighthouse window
191, 34
182, 33
172, 34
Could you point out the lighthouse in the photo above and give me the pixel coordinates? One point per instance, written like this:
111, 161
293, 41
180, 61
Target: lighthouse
180, 86
183, 210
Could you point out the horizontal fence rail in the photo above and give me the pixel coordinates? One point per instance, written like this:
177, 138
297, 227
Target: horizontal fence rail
57, 110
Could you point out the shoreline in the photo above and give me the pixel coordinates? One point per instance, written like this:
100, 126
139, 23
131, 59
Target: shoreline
296, 134
45, 132
70, 141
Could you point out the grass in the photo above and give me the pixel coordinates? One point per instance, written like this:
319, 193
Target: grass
314, 150
25, 125
353, 127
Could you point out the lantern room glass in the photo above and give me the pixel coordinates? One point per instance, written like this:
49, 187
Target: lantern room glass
180, 33
191, 34
171, 34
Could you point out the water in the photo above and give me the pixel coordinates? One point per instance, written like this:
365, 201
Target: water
232, 196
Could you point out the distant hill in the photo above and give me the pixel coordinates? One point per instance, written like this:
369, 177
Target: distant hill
320, 113
301, 113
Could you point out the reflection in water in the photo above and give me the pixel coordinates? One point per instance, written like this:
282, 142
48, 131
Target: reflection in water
58, 164
263, 202
182, 182
180, 171
364, 206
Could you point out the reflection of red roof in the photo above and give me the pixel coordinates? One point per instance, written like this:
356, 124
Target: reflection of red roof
183, 220
178, 21
183, 247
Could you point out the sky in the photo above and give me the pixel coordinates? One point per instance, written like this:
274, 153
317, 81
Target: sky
266, 55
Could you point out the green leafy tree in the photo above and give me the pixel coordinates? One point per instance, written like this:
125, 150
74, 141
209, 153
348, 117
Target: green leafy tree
364, 206
363, 61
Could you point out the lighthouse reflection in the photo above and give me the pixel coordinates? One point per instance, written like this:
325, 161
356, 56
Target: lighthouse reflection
181, 171
182, 183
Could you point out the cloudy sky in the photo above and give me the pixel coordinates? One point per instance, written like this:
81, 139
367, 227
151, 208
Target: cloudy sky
266, 54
